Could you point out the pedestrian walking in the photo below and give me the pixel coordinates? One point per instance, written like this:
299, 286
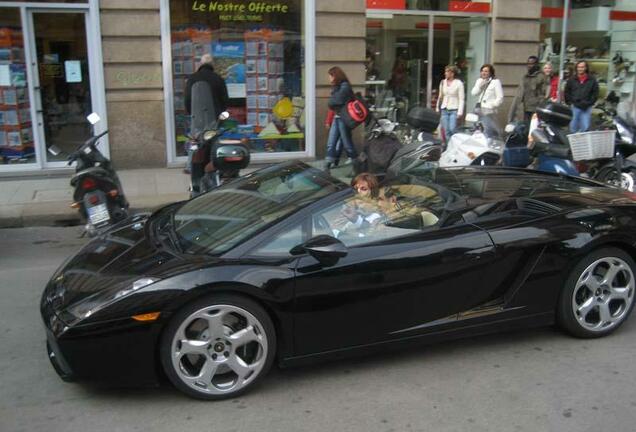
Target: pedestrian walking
489, 91
450, 101
531, 93
341, 94
581, 92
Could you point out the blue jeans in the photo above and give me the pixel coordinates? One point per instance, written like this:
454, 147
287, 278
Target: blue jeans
339, 132
449, 122
581, 119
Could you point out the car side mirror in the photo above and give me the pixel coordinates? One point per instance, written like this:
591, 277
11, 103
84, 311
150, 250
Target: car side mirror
326, 249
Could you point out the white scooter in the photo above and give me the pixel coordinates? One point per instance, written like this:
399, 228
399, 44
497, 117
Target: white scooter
472, 146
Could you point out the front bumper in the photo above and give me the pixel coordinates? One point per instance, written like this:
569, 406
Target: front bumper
121, 353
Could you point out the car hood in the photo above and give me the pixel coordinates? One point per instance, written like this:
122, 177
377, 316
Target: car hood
116, 260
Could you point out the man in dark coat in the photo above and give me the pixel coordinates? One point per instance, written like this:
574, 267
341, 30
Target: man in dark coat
581, 92
530, 93
206, 102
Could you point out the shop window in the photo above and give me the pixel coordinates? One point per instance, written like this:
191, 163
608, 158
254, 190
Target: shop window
16, 132
258, 49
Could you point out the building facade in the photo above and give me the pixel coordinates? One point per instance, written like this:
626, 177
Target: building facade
128, 61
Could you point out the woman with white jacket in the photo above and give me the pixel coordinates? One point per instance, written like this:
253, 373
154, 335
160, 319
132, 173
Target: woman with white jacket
490, 97
450, 102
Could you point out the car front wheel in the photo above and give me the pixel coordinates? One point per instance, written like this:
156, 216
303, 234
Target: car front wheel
599, 294
218, 347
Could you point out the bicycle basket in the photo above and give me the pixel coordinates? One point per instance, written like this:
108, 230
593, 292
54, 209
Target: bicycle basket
592, 145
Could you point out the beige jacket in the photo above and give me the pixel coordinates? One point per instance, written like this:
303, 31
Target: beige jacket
451, 96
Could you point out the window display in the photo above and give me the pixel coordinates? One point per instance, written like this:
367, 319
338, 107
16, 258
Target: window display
257, 47
16, 136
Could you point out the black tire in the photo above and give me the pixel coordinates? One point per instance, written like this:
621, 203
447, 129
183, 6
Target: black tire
213, 349
589, 305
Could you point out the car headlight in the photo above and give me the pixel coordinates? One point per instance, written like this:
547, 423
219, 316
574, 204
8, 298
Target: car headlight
626, 135
99, 300
209, 134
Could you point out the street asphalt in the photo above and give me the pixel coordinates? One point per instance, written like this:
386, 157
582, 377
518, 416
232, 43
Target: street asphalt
539, 380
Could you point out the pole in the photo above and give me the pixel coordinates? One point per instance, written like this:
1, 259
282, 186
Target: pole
564, 38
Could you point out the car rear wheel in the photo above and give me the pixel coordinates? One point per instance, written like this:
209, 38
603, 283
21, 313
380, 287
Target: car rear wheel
599, 294
218, 347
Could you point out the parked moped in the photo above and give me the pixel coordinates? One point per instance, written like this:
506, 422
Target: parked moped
472, 146
98, 194
215, 160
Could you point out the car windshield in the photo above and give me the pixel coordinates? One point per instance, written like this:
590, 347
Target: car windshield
226, 216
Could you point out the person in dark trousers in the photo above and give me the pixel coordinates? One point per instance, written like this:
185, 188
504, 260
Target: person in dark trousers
341, 94
218, 89
530, 94
581, 92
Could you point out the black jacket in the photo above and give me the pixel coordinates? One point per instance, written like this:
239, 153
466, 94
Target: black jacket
217, 86
340, 95
580, 95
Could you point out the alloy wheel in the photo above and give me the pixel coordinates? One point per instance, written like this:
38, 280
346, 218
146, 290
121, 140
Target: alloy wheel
603, 294
219, 350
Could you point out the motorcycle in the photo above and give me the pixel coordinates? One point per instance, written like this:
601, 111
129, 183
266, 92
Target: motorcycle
622, 170
472, 146
215, 159
386, 152
593, 154
98, 194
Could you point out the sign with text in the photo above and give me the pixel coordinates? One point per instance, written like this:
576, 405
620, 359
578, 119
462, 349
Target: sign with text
240, 11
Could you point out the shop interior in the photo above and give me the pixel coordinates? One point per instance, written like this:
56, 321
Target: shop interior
398, 59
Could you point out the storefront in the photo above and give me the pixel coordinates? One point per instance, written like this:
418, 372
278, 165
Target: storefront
50, 79
261, 49
601, 32
410, 42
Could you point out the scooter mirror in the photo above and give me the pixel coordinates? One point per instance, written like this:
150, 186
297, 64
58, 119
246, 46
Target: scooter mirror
93, 118
472, 117
510, 127
224, 115
54, 150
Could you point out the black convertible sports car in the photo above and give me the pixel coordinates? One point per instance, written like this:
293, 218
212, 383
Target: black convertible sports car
211, 291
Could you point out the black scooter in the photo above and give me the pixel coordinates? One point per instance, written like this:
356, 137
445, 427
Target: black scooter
98, 194
215, 160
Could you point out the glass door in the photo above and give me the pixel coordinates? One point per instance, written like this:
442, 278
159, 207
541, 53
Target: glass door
62, 89
470, 49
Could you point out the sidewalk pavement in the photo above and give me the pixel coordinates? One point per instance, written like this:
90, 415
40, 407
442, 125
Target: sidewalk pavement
44, 201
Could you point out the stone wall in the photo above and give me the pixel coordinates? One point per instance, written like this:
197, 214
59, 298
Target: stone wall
340, 41
131, 43
515, 36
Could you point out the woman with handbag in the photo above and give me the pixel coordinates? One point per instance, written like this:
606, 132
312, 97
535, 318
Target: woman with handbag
450, 101
488, 89
341, 94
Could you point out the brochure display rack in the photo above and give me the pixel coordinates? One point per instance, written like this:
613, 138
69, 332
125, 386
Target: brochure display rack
16, 136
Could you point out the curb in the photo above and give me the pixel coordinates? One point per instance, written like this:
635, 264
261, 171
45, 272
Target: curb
61, 215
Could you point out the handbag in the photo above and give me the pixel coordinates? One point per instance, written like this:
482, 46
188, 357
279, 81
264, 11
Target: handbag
354, 112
